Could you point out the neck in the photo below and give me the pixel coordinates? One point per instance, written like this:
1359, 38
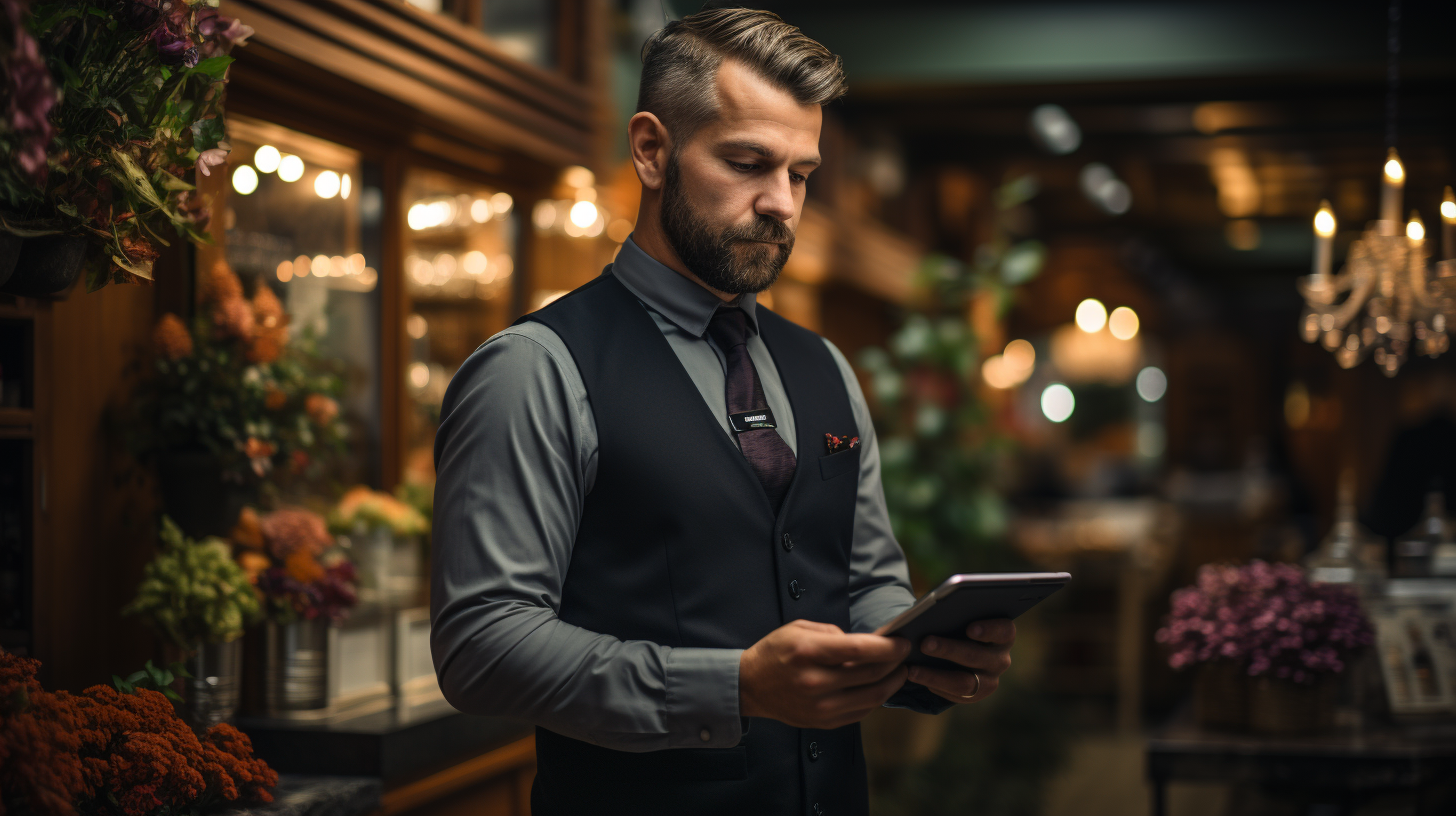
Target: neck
650, 238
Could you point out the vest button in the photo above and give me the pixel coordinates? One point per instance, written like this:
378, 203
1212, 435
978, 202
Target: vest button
788, 542
795, 590
813, 751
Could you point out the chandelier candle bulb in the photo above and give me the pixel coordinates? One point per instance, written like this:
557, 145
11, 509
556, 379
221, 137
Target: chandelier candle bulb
1390, 194
1324, 237
1448, 225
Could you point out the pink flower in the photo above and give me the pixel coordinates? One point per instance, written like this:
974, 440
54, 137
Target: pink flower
215, 157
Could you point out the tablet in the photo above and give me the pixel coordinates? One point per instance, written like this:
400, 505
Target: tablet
964, 599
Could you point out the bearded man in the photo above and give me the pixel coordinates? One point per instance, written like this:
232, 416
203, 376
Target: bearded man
660, 533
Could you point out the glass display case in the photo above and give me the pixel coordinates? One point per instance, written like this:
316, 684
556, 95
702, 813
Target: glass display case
459, 258
302, 216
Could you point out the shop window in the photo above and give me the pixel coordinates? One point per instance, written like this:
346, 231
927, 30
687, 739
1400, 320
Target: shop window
460, 258
302, 216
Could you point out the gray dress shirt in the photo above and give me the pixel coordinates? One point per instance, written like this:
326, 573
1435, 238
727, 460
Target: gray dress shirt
516, 457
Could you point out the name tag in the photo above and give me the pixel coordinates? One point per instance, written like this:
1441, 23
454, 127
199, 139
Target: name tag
751, 420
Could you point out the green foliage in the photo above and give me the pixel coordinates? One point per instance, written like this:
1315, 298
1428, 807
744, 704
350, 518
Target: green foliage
154, 678
253, 416
128, 130
939, 447
193, 592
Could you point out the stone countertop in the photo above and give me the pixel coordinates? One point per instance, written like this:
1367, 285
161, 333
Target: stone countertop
299, 795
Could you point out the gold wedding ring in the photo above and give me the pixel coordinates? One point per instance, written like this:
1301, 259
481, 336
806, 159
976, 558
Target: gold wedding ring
976, 690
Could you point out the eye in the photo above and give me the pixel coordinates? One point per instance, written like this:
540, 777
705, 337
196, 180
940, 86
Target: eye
798, 178
742, 167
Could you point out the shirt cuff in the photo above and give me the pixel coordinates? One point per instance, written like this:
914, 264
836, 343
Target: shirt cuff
702, 698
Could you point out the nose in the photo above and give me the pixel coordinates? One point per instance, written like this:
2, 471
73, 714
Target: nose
777, 200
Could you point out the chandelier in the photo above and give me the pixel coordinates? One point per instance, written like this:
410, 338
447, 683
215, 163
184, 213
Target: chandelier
1388, 302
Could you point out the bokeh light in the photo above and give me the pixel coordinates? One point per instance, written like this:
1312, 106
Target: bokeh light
1123, 323
1091, 315
1152, 384
1057, 402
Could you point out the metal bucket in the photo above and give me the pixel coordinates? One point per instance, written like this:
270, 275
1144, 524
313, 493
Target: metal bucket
295, 667
212, 691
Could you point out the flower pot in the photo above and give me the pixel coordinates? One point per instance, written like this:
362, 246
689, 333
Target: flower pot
389, 566
46, 266
1284, 707
295, 667
211, 695
1221, 697
195, 495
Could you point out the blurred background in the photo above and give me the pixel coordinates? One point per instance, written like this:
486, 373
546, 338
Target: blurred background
1073, 253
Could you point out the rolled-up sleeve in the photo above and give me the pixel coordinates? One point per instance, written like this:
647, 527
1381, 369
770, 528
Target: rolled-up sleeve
515, 459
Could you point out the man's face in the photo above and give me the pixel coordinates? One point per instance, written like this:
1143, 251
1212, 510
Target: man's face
732, 195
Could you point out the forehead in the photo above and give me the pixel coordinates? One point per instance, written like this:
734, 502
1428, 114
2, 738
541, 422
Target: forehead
749, 105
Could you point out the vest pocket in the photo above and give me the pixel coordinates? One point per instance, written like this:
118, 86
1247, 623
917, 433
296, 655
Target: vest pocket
838, 464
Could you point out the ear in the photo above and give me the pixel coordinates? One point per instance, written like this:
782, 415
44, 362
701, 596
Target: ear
648, 140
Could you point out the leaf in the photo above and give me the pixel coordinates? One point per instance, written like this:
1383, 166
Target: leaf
172, 695
141, 270
207, 133
212, 66
121, 685
132, 176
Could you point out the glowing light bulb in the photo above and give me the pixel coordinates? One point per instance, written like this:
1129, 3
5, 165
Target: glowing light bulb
327, 184
266, 158
1091, 315
290, 168
1324, 223
501, 203
1416, 229
1448, 206
1020, 359
245, 179
346, 185
1393, 168
583, 214
1152, 384
1057, 402
1123, 323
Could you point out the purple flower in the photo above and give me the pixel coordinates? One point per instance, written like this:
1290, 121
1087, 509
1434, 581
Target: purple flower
1266, 617
174, 48
30, 95
220, 33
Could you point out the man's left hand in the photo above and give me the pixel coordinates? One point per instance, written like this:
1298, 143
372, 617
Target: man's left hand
987, 653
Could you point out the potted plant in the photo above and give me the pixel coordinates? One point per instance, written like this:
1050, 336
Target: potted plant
233, 405
110, 750
1268, 644
107, 107
198, 599
307, 584
384, 536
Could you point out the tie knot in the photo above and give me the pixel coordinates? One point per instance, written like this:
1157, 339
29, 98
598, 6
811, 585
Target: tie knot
729, 327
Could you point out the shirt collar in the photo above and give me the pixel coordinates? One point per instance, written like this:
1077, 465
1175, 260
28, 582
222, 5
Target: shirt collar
671, 294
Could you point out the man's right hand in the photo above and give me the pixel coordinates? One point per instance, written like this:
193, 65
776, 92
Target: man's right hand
813, 675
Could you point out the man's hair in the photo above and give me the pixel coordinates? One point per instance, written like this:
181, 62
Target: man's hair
680, 65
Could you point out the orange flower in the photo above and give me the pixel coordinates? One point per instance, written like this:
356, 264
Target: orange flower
253, 563
222, 284
321, 409
256, 448
267, 308
273, 399
302, 567
267, 345
248, 532
234, 318
171, 338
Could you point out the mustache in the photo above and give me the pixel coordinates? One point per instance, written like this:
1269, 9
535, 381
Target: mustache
764, 228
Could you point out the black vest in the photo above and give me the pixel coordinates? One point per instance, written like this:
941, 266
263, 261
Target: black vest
678, 545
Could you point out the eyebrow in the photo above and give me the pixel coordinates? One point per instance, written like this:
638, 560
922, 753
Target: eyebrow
766, 152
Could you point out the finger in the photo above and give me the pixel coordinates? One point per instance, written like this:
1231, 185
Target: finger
830, 649
996, 630
954, 685
832, 678
817, 626
866, 697
972, 655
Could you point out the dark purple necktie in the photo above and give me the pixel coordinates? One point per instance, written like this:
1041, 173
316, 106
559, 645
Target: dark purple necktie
767, 453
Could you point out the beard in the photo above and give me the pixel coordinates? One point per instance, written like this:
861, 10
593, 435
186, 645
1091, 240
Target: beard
732, 259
